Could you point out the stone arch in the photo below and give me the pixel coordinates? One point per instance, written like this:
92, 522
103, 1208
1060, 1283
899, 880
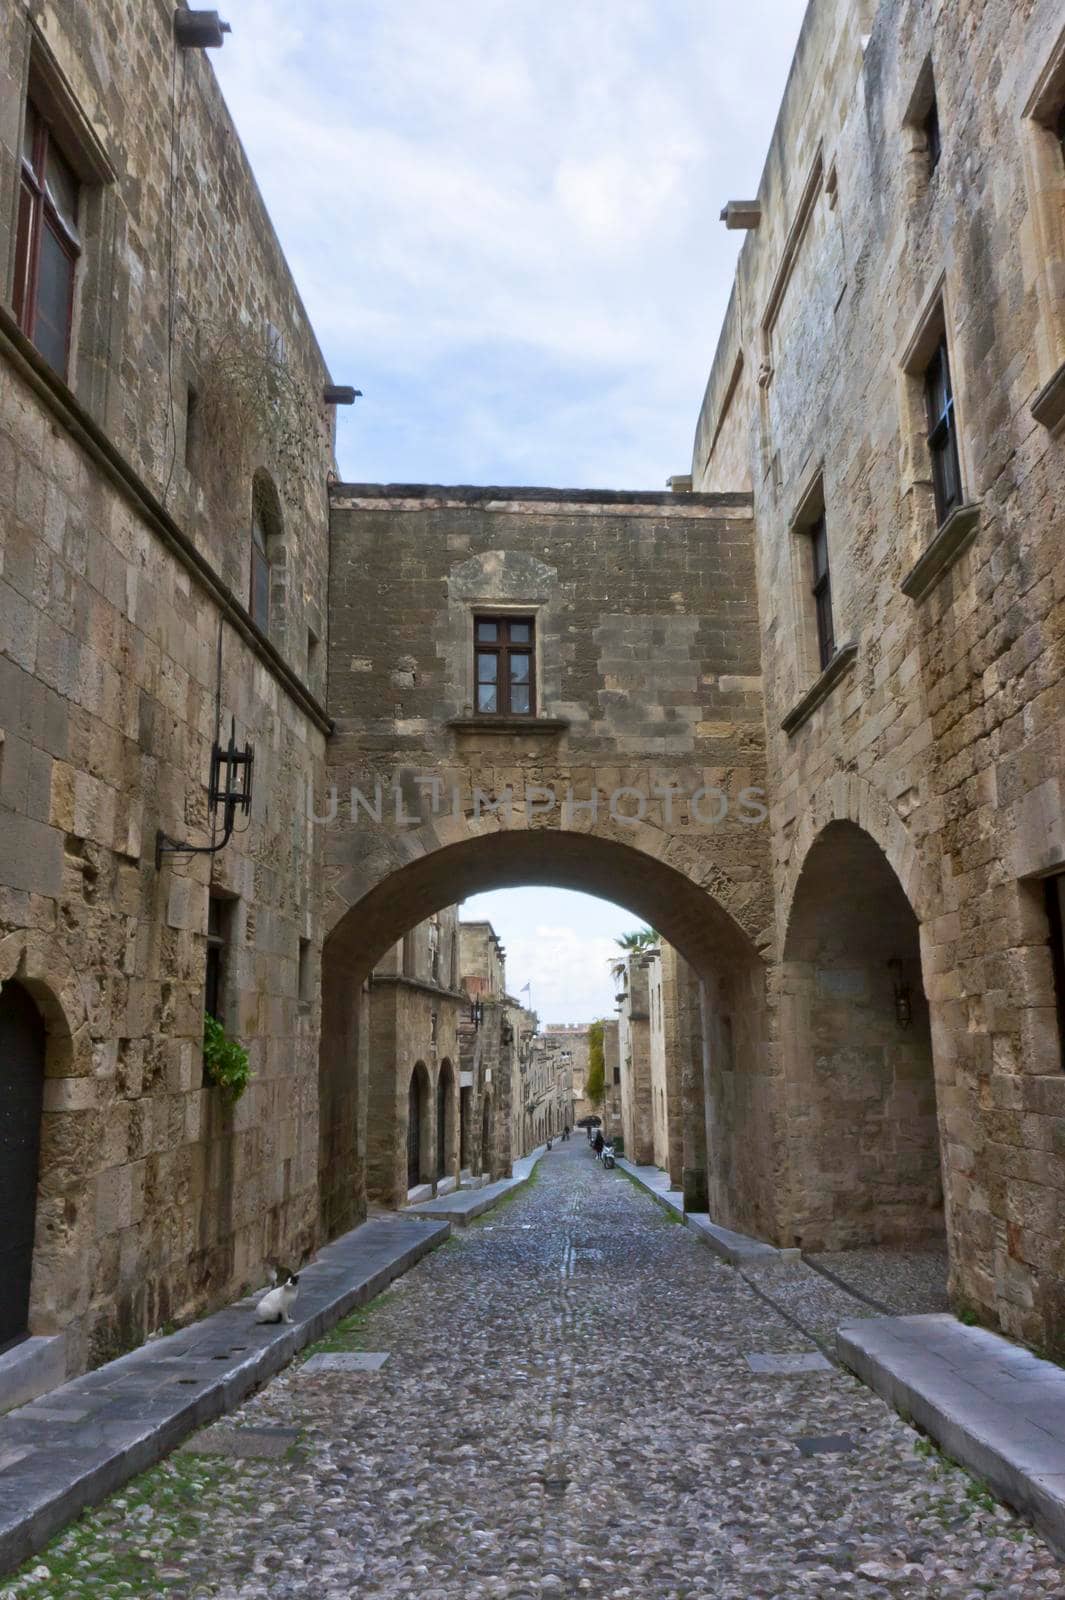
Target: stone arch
50, 978
846, 797
856, 1041
670, 883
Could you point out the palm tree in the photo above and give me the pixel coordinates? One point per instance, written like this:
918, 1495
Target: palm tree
638, 939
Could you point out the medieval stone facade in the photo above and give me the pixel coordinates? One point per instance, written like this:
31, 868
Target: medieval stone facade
889, 385
413, 1122
807, 719
137, 471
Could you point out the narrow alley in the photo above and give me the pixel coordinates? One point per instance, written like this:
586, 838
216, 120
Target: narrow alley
567, 1408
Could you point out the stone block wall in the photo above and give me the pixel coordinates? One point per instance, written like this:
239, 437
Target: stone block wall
941, 733
121, 570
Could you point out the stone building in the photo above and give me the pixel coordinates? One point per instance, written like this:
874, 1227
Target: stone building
849, 613
165, 437
634, 976
610, 1106
522, 1025
548, 1087
492, 1044
573, 1051
413, 1122
890, 386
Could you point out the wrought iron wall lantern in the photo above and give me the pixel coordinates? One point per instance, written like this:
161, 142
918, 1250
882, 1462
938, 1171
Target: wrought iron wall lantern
229, 793
903, 994
476, 1012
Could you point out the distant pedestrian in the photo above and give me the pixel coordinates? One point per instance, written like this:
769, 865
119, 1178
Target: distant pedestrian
565, 1133
599, 1143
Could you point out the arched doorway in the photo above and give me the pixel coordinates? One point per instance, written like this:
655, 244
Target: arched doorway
445, 1119
22, 1051
864, 1149
417, 1120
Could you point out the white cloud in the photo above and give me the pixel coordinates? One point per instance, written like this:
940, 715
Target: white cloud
569, 973
472, 189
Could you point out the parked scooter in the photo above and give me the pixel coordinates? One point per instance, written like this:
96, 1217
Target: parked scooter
607, 1157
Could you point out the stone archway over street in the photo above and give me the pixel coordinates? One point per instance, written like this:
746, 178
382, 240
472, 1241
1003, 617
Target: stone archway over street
636, 772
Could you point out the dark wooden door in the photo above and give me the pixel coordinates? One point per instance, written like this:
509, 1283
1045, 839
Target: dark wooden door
414, 1131
21, 1096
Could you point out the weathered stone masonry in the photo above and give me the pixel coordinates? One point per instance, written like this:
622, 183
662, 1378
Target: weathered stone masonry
125, 560
938, 732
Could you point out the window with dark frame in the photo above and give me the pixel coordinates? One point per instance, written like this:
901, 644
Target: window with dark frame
217, 940
822, 592
1055, 906
933, 136
942, 433
47, 245
504, 663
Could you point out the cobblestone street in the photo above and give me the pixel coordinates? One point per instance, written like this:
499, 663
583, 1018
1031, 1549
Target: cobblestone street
566, 1409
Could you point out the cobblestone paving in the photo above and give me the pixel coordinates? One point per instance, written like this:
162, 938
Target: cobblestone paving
566, 1410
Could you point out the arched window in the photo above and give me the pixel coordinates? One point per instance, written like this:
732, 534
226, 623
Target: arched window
266, 535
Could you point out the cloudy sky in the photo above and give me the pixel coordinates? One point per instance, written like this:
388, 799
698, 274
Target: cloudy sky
503, 218
559, 943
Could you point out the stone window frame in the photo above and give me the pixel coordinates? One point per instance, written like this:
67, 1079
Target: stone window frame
267, 513
817, 676
222, 943
932, 547
1044, 165
43, 217
809, 512
90, 357
507, 583
921, 119
1054, 902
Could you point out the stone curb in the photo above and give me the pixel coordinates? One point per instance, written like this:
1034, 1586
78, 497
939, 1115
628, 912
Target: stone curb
990, 1405
464, 1206
738, 1249
72, 1447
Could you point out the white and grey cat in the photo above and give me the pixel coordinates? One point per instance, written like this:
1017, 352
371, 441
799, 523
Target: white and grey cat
276, 1304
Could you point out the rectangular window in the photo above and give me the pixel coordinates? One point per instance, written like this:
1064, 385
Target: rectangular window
505, 666
218, 921
1055, 903
47, 246
822, 592
942, 433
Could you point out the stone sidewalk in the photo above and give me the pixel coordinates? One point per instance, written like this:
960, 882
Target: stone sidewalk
463, 1206
989, 1404
578, 1400
83, 1440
